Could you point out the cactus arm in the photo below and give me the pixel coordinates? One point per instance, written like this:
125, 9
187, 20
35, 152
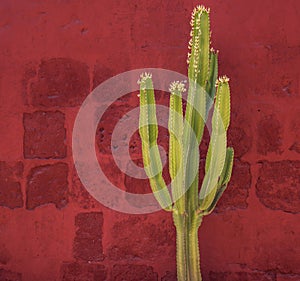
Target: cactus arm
212, 78
227, 170
148, 130
217, 147
208, 156
209, 185
223, 180
175, 145
213, 74
218, 195
222, 110
223, 103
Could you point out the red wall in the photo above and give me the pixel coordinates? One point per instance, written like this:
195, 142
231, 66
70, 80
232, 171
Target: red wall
53, 53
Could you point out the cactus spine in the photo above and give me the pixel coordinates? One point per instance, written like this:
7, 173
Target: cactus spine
187, 202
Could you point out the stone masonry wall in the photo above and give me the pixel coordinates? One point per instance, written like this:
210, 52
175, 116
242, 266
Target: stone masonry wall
54, 53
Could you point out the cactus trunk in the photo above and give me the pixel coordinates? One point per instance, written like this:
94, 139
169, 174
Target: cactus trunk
187, 249
193, 248
187, 201
181, 224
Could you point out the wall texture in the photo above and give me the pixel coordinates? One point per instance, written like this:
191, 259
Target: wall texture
53, 53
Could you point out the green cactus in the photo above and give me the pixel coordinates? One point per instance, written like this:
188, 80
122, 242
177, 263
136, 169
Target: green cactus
187, 201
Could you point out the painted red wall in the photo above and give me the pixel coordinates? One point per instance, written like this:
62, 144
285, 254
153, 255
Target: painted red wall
53, 53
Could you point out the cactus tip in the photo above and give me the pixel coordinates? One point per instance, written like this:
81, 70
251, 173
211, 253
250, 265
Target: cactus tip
143, 79
214, 51
144, 76
222, 79
177, 87
197, 11
200, 9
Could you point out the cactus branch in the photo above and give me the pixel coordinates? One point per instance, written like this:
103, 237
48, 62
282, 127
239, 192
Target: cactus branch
176, 145
148, 130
